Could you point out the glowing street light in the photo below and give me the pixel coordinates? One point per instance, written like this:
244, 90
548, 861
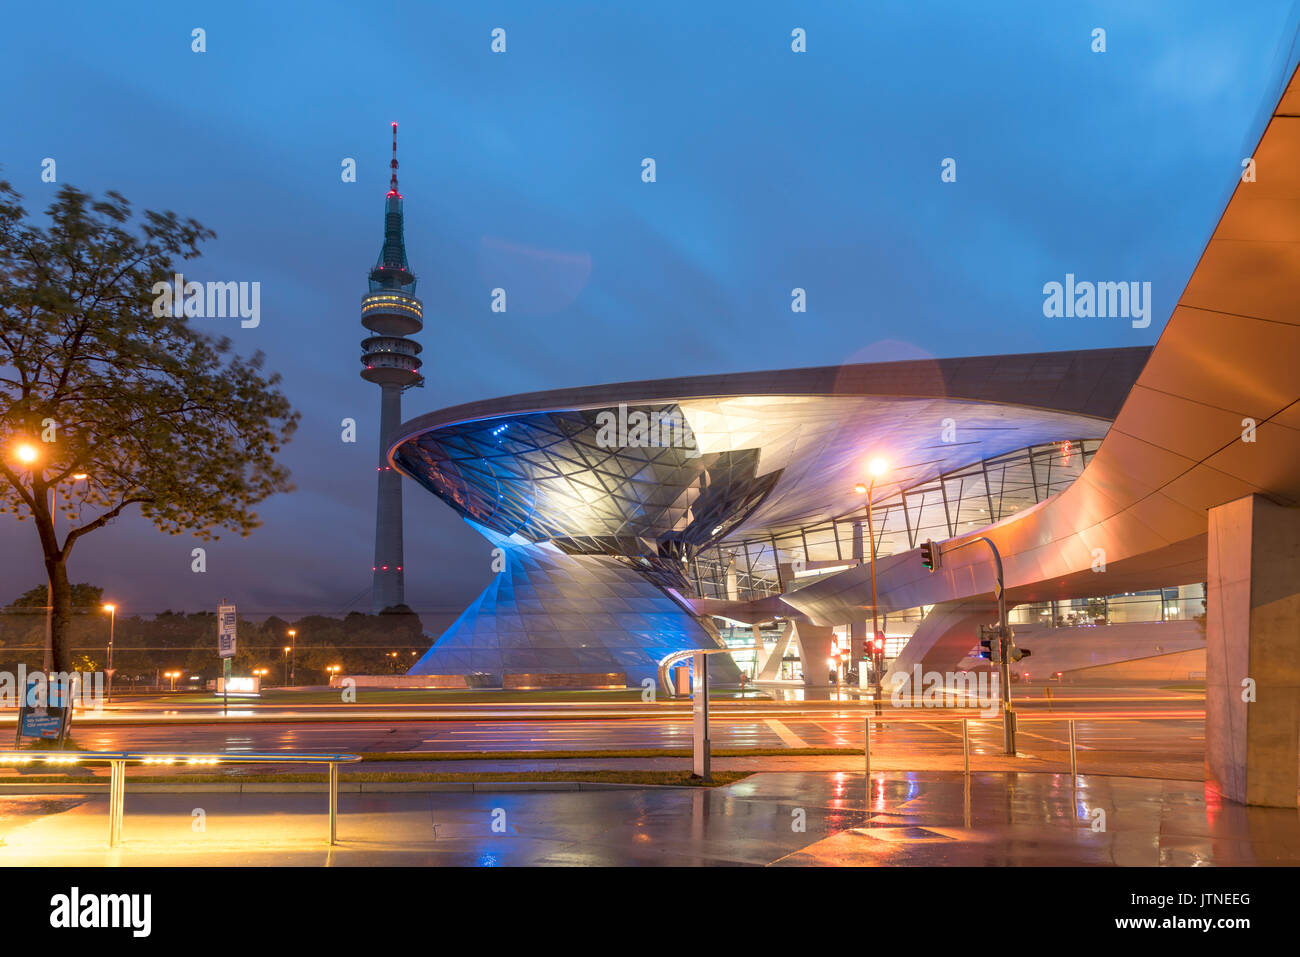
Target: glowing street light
26, 453
293, 645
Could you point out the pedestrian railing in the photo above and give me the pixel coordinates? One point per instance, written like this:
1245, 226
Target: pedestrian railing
1072, 745
118, 760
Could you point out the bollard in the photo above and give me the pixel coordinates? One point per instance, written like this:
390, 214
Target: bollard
866, 746
965, 746
334, 801
1074, 762
116, 800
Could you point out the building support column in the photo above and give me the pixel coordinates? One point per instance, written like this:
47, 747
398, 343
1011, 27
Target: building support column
771, 670
1252, 633
814, 653
389, 586
760, 656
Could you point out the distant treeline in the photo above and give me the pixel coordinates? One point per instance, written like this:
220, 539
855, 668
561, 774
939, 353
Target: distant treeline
144, 647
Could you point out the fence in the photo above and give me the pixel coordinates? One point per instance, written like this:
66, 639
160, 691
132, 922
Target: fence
1020, 718
118, 760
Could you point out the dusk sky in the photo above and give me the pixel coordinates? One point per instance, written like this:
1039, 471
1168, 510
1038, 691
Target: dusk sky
522, 170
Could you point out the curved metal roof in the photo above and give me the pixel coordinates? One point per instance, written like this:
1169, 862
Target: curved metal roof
758, 452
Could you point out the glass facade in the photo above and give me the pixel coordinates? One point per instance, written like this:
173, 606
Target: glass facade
643, 494
953, 503
1180, 603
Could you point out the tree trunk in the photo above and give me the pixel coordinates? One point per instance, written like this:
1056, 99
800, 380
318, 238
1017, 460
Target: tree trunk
60, 597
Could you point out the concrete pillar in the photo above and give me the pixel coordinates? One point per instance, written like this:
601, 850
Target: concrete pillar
815, 652
760, 656
389, 586
771, 670
1252, 631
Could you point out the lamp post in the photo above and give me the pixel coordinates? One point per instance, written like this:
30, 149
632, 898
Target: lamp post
28, 453
877, 467
286, 665
49, 598
54, 495
293, 648
112, 622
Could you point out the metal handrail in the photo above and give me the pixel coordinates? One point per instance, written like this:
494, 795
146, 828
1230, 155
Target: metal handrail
118, 760
675, 657
1072, 744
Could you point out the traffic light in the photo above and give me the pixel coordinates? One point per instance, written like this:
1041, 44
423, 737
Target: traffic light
1014, 653
876, 648
928, 554
990, 644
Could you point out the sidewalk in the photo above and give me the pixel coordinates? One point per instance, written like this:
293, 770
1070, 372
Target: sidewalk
809, 818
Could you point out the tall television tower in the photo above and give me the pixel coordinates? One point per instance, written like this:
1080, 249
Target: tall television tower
391, 312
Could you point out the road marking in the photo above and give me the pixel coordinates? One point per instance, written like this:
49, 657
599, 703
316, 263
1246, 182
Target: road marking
841, 741
788, 737
935, 727
1021, 732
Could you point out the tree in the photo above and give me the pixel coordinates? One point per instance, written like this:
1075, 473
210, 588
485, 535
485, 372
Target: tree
94, 383
83, 595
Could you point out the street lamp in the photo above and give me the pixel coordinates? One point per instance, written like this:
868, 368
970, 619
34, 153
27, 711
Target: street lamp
28, 454
49, 605
293, 646
173, 675
286, 665
876, 468
112, 622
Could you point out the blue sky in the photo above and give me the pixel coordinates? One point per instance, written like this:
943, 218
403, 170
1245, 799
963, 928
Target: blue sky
522, 170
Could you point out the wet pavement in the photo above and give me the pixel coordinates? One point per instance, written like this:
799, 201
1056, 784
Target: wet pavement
785, 818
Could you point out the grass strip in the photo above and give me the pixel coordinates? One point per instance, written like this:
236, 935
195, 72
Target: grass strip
623, 753
451, 696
